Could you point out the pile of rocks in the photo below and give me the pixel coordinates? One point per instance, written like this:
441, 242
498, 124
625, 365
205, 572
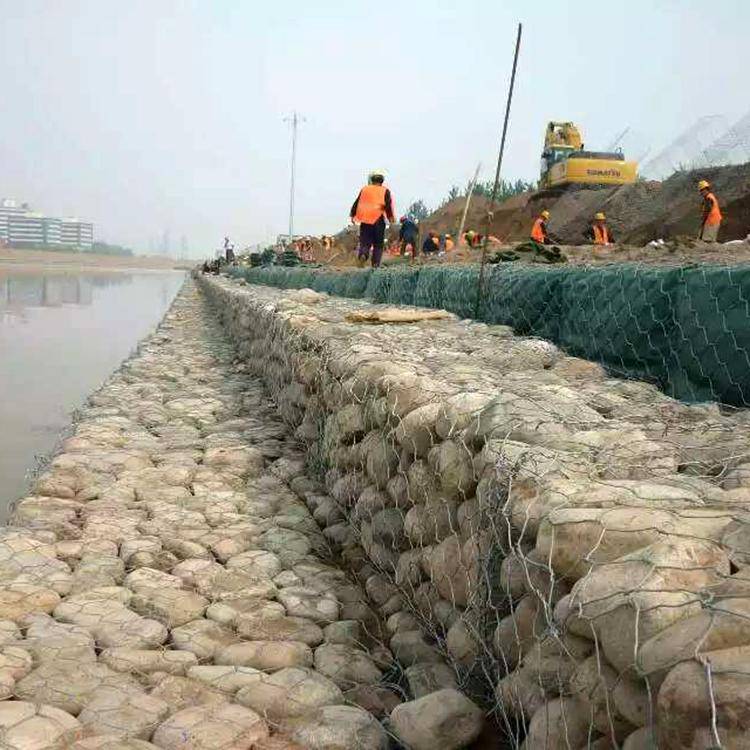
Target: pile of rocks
164, 587
568, 547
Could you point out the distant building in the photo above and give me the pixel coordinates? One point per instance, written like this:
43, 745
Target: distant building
9, 208
78, 234
34, 230
20, 227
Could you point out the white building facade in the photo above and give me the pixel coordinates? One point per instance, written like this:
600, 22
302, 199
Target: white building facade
21, 227
78, 234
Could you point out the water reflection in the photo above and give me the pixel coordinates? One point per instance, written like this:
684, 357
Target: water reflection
61, 334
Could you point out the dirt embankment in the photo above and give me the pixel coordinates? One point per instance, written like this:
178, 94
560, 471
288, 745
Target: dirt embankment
637, 213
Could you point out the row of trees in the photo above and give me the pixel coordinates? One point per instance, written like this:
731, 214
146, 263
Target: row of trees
418, 211
104, 248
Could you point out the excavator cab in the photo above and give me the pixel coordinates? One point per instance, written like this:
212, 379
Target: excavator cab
564, 161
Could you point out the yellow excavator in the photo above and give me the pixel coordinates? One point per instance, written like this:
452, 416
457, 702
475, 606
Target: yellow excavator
566, 162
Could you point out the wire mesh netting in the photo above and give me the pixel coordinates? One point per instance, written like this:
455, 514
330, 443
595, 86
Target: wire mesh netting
567, 549
683, 328
295, 520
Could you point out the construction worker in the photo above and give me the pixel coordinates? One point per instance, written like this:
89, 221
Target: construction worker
407, 235
598, 231
539, 229
711, 213
372, 207
449, 244
431, 244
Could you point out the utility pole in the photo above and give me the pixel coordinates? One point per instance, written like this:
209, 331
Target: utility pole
295, 119
496, 184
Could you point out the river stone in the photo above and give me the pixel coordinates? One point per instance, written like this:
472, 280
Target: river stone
410, 648
426, 678
204, 638
129, 547
111, 623
375, 699
182, 692
20, 599
9, 632
70, 686
416, 431
27, 726
345, 665
236, 584
337, 728
266, 655
289, 692
145, 661
446, 719
196, 572
687, 702
256, 562
227, 612
290, 546
274, 627
345, 632
130, 714
15, 662
306, 602
226, 678
143, 580
218, 727
560, 722
111, 742
173, 607
230, 546
47, 640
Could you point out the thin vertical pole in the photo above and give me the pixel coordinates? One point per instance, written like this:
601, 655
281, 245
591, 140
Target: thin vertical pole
493, 197
469, 193
294, 163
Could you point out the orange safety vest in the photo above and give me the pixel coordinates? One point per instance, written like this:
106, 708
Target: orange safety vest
714, 215
371, 204
537, 233
601, 235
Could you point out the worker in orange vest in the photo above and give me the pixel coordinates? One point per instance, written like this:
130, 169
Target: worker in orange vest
373, 206
599, 232
711, 213
539, 229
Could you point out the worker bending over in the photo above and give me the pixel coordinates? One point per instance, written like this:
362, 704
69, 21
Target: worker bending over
431, 244
598, 231
539, 229
407, 235
373, 206
711, 213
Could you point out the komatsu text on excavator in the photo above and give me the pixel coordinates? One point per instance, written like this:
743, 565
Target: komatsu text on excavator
565, 161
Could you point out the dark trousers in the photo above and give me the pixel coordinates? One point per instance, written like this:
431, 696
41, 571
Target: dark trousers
409, 240
372, 236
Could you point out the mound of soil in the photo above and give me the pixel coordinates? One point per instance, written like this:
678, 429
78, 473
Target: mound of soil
637, 213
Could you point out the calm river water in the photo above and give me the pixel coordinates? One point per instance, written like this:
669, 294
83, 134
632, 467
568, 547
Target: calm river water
61, 335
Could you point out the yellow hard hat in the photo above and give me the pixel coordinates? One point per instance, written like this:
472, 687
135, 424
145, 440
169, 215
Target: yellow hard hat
703, 184
600, 216
545, 214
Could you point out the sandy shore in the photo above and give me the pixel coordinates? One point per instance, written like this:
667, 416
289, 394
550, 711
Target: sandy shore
46, 259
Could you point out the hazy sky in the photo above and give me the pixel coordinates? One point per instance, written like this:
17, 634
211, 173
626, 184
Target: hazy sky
148, 115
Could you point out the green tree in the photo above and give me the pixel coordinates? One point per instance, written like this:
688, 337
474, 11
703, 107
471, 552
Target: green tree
417, 211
